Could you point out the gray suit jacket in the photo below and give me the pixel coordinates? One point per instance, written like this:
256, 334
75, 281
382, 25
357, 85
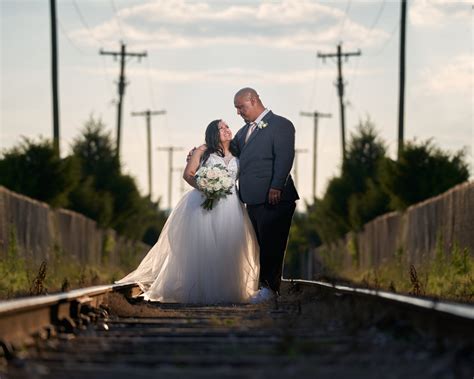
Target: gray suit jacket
266, 160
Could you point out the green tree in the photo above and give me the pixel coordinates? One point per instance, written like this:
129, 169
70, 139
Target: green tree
95, 204
356, 196
89, 181
366, 206
364, 153
95, 150
303, 238
33, 169
99, 166
423, 170
105, 193
331, 212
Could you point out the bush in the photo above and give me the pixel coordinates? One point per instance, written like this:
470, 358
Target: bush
422, 171
33, 169
89, 181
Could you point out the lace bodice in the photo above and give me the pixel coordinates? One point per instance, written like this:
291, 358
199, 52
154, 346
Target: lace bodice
231, 163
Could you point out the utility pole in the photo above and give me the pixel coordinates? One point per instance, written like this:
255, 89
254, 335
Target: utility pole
54, 76
401, 99
148, 115
180, 170
316, 116
298, 151
123, 54
170, 150
340, 89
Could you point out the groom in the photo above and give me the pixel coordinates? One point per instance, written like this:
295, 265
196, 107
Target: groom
266, 149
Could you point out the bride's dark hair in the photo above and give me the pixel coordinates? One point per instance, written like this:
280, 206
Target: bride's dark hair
213, 142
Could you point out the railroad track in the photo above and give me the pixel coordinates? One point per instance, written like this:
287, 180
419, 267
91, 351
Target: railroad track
315, 329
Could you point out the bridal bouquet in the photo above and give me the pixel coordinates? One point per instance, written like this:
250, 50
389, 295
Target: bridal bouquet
215, 182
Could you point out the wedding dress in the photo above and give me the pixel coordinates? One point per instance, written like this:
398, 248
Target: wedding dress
203, 256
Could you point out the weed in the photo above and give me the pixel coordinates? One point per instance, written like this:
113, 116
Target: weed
65, 286
38, 287
352, 248
415, 282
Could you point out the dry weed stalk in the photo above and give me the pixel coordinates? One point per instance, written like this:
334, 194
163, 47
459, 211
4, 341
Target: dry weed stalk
415, 282
37, 287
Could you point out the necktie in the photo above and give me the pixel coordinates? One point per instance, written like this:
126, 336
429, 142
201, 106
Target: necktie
252, 127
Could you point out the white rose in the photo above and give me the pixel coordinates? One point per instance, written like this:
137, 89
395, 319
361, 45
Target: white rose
212, 174
227, 182
203, 182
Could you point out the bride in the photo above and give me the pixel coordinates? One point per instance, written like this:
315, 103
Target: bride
203, 256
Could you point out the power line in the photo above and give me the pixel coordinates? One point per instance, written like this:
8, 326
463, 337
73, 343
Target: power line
78, 49
181, 181
148, 114
375, 22
348, 6
369, 32
71, 42
340, 88
387, 42
117, 19
316, 116
150, 83
354, 78
295, 167
366, 37
170, 150
122, 54
377, 18
85, 24
106, 76
313, 88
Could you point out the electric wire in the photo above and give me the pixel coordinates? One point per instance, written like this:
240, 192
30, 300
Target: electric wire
346, 12
85, 23
117, 19
69, 39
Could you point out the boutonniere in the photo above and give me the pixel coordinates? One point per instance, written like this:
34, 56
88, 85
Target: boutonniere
262, 125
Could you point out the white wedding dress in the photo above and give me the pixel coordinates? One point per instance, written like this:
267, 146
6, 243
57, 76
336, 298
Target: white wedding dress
203, 256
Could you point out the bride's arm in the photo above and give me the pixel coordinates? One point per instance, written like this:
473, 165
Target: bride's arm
193, 165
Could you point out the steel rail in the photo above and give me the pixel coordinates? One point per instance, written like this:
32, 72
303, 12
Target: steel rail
22, 318
464, 311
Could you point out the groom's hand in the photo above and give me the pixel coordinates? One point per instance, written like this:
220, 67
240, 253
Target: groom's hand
274, 196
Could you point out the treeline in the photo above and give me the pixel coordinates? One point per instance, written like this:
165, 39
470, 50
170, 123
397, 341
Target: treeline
371, 184
89, 181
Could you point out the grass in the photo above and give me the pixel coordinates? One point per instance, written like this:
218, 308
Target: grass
450, 275
20, 277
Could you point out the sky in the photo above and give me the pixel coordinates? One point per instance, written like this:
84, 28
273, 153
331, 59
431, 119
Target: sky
199, 53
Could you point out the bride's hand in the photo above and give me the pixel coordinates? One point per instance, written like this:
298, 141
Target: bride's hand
190, 154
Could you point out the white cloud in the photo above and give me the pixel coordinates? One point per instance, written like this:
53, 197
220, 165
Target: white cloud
291, 24
180, 11
230, 75
436, 13
455, 77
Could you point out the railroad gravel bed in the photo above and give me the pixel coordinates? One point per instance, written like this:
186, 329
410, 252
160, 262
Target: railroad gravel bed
306, 333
